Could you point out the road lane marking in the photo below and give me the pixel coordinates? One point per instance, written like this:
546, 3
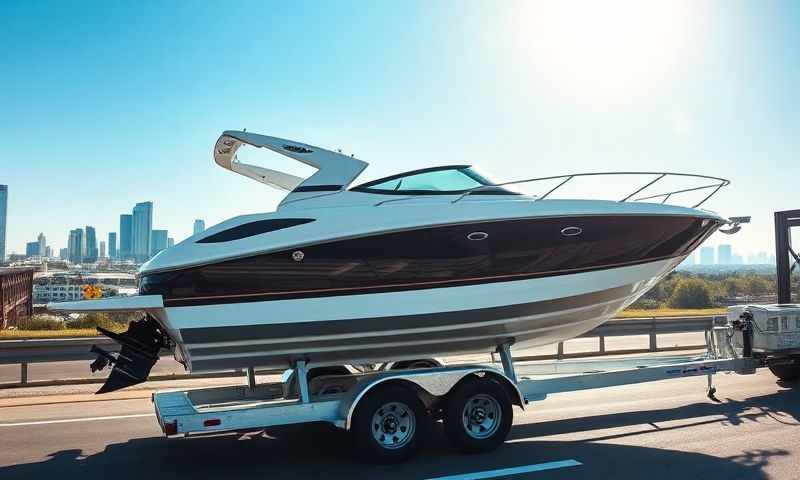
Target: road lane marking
74, 420
537, 467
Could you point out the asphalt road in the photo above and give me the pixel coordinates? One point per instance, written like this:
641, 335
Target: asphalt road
667, 429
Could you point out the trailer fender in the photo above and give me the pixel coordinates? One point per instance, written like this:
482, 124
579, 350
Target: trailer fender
436, 382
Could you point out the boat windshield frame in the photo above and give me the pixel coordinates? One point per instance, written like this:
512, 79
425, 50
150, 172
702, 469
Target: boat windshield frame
483, 189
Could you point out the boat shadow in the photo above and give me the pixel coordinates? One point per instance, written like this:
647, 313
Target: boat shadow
321, 450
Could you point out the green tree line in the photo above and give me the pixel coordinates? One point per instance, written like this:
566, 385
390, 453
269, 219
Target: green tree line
685, 290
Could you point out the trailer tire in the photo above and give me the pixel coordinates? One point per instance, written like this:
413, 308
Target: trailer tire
786, 371
478, 415
389, 425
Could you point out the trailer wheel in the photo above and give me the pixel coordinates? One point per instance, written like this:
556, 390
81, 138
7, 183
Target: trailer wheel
786, 369
478, 415
389, 425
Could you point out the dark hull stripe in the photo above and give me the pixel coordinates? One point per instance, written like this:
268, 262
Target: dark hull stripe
357, 325
422, 347
502, 330
435, 257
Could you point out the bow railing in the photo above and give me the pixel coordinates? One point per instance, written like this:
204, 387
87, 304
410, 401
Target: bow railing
715, 185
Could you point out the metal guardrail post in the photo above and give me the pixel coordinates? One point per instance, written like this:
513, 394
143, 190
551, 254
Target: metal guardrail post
602, 346
251, 378
560, 353
23, 373
653, 337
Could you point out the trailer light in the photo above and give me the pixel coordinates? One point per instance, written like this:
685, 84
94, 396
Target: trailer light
211, 422
171, 428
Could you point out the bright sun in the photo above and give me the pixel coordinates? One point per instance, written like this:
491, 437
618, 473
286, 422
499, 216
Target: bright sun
603, 48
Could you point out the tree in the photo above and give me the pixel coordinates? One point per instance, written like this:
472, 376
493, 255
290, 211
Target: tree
690, 293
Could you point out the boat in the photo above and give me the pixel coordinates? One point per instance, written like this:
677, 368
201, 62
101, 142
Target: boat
432, 262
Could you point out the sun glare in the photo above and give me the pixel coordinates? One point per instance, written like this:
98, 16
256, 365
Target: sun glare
603, 48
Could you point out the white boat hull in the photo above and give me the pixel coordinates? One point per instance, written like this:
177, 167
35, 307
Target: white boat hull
407, 324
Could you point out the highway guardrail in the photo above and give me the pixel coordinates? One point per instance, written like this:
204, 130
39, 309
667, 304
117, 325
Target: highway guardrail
27, 351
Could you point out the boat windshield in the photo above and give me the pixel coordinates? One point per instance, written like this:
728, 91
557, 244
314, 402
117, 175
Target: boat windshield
438, 180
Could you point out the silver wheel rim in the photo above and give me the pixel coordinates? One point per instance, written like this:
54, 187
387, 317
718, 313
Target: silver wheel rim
393, 425
481, 416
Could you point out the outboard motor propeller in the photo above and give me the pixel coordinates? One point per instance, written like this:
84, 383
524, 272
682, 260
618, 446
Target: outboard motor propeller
141, 344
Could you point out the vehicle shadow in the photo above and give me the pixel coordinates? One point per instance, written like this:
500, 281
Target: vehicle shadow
782, 406
321, 450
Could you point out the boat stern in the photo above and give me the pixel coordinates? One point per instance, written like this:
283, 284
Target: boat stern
141, 344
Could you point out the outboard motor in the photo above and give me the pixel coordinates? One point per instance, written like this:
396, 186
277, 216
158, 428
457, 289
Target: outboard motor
141, 345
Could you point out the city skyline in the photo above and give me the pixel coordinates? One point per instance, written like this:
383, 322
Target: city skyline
84, 244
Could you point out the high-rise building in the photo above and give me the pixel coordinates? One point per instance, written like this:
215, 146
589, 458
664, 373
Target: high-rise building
112, 245
42, 245
63, 254
3, 214
75, 245
32, 249
170, 242
707, 256
724, 254
142, 230
158, 241
91, 252
125, 236
102, 249
48, 252
199, 226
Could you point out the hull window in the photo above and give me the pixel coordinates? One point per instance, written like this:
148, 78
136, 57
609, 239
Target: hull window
254, 228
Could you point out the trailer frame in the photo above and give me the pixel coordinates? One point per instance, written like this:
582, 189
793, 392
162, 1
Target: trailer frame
302, 397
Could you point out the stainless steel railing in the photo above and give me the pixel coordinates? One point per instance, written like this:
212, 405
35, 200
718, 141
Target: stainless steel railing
716, 184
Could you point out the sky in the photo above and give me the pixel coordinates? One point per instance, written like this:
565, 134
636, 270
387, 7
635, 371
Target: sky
105, 104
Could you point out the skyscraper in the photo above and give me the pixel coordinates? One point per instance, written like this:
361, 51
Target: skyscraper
3, 212
170, 242
75, 246
91, 245
63, 254
158, 241
32, 249
102, 249
199, 226
724, 255
42, 245
707, 256
125, 236
142, 230
112, 245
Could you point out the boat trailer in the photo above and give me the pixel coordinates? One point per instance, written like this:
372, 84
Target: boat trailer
389, 412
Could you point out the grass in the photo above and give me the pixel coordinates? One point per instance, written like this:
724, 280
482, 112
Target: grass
672, 312
65, 333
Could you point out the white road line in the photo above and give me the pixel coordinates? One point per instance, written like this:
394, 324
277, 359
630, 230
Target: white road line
73, 420
537, 467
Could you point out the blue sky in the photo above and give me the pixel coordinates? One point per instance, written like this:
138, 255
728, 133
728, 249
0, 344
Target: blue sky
105, 104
